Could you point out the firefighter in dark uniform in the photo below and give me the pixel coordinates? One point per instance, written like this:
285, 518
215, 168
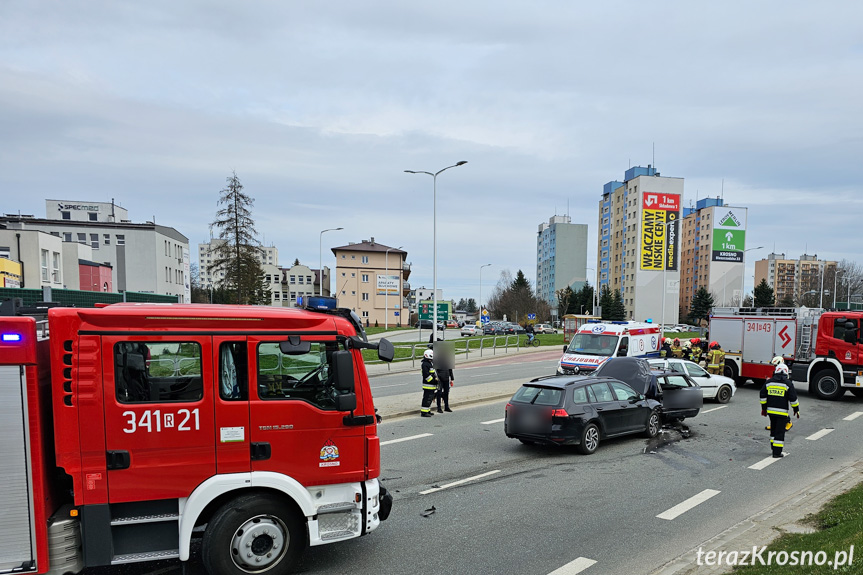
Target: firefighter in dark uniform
665, 349
776, 395
695, 353
430, 382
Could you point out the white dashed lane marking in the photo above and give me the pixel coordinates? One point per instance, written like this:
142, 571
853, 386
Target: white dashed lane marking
714, 409
765, 462
819, 434
421, 435
459, 482
492, 421
574, 567
853, 416
685, 506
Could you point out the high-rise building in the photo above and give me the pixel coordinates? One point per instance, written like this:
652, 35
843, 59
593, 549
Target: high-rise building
713, 238
797, 282
210, 276
561, 257
637, 251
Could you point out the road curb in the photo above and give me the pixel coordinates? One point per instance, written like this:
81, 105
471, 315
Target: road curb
766, 525
472, 401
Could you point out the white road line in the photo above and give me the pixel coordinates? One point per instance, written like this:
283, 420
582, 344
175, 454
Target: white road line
574, 567
492, 421
459, 482
393, 385
765, 462
484, 374
714, 409
682, 508
853, 416
406, 438
819, 434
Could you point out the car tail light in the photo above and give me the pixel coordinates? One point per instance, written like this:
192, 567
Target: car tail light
559, 413
509, 407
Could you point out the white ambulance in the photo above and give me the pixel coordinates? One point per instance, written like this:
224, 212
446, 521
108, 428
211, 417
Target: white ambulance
595, 342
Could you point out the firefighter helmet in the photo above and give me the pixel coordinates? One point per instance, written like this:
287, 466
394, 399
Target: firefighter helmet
676, 341
661, 340
714, 345
688, 345
781, 368
777, 360
695, 341
428, 354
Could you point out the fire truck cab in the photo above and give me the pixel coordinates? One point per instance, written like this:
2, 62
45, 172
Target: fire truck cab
131, 428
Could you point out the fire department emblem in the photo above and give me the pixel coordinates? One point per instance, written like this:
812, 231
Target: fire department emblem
329, 454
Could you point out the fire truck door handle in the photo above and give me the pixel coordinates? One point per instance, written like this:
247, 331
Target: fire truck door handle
117, 460
261, 451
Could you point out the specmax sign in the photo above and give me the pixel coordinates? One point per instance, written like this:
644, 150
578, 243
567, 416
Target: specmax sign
81, 207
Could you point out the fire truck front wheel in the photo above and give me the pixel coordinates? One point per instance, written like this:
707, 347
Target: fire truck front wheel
827, 385
253, 534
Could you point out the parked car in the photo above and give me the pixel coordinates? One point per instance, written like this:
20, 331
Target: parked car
544, 328
470, 329
579, 410
713, 386
512, 329
424, 324
680, 396
452, 324
491, 329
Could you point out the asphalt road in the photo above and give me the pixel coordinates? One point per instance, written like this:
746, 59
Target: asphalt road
502, 507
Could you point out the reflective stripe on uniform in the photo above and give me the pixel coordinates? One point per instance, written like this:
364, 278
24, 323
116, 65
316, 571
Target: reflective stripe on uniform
795, 404
777, 411
763, 401
429, 386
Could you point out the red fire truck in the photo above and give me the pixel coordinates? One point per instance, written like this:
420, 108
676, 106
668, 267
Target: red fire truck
129, 429
824, 349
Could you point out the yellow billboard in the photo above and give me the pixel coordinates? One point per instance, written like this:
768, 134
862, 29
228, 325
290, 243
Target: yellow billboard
658, 240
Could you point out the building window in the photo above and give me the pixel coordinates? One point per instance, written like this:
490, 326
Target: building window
365, 296
365, 278
107, 238
121, 240
276, 295
66, 215
300, 279
55, 273
6, 252
309, 279
93, 217
365, 259
94, 241
294, 279
67, 236
44, 265
365, 314
82, 238
353, 275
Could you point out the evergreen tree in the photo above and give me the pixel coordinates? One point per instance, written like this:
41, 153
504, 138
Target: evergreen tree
238, 255
585, 298
296, 261
702, 303
606, 302
462, 304
763, 294
471, 306
618, 310
520, 282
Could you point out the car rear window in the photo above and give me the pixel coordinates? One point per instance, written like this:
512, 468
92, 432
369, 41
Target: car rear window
538, 395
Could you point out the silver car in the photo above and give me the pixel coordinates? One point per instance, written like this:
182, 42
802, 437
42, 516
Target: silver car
716, 387
471, 329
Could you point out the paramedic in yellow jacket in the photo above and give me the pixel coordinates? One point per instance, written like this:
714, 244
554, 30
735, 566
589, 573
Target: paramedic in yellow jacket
715, 359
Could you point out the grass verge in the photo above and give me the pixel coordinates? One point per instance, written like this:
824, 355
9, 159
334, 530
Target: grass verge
839, 526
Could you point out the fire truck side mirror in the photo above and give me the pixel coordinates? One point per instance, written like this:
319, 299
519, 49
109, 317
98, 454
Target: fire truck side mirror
295, 346
850, 335
343, 364
347, 402
386, 350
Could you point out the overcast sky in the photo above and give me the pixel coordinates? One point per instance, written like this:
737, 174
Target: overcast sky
320, 107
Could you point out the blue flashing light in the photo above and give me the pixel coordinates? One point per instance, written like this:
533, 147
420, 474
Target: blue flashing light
648, 320
11, 337
321, 303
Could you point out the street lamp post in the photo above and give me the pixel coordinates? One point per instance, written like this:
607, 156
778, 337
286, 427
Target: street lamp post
835, 277
743, 273
480, 291
386, 287
321, 260
595, 289
434, 236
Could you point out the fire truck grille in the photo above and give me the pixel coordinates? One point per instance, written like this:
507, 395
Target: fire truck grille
336, 525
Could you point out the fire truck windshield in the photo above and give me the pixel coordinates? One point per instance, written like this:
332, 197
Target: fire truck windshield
592, 344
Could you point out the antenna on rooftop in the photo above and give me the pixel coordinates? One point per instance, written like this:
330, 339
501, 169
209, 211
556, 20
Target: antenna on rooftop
722, 191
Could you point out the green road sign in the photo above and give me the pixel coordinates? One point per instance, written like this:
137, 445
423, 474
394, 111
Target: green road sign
728, 245
426, 310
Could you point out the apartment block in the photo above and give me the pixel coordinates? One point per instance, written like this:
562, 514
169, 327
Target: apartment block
561, 257
797, 282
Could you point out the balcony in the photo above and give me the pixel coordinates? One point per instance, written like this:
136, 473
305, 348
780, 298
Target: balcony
406, 270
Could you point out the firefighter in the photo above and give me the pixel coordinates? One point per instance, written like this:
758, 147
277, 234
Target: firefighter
715, 359
776, 361
430, 382
778, 392
695, 354
687, 351
665, 349
676, 350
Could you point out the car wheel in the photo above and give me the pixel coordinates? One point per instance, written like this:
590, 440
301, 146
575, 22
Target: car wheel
724, 394
827, 385
654, 424
589, 439
253, 534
